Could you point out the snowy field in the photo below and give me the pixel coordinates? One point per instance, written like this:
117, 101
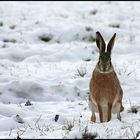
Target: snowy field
47, 55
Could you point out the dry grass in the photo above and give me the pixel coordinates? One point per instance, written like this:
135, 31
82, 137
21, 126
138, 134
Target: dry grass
69, 125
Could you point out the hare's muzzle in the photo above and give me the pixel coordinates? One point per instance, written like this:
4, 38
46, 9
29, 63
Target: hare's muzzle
104, 62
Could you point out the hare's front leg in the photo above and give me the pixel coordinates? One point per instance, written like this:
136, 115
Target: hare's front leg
109, 111
100, 112
92, 107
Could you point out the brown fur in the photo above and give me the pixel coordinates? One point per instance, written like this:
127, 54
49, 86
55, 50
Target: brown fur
105, 94
104, 86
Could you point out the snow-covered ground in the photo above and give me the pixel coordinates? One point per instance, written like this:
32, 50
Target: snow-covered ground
43, 48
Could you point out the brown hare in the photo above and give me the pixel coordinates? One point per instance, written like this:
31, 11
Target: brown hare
105, 91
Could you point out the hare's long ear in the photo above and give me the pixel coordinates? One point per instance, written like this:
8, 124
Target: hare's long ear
111, 43
100, 42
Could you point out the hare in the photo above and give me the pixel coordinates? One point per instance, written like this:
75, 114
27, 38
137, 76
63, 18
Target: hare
106, 93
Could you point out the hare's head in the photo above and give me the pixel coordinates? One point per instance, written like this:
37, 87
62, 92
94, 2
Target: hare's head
104, 63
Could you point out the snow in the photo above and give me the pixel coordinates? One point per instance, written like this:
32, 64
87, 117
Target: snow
46, 72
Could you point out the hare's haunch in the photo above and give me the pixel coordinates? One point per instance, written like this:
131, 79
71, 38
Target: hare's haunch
105, 90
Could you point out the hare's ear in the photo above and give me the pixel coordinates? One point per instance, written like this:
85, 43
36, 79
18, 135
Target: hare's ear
111, 43
100, 42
